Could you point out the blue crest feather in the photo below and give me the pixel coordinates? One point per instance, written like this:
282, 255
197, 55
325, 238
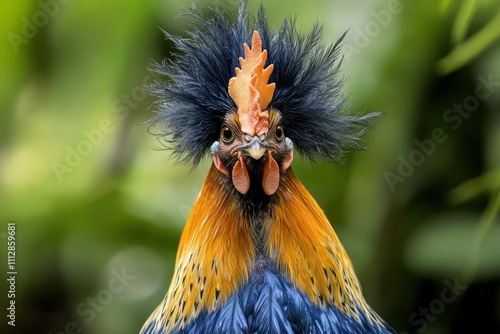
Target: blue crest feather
194, 99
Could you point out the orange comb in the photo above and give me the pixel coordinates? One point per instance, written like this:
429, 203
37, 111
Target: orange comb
250, 90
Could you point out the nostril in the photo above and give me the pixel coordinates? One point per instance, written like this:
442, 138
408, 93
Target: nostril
248, 138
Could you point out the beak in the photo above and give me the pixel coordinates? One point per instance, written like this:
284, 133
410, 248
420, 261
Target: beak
255, 148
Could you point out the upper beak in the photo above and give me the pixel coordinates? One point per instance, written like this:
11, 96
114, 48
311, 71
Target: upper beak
255, 148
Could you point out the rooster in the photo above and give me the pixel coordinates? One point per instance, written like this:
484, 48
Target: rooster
257, 254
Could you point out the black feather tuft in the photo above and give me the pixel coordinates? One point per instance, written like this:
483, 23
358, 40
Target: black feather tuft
194, 100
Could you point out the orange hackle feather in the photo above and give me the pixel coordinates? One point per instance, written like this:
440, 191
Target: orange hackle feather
217, 254
213, 259
307, 250
250, 89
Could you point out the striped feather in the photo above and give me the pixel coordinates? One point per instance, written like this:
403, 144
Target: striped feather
304, 281
271, 304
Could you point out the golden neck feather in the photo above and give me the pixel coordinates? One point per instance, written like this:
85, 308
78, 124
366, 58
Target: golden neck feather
217, 253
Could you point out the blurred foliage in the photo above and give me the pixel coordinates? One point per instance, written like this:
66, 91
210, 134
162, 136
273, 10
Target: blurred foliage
465, 50
92, 196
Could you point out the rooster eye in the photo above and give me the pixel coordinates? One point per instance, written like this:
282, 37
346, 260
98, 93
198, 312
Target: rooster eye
227, 135
279, 133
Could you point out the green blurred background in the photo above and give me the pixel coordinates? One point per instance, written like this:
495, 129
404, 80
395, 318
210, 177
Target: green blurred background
94, 199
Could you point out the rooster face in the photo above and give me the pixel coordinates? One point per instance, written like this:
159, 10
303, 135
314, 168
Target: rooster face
253, 161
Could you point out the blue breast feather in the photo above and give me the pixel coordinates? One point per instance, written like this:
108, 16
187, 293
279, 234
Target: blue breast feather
270, 304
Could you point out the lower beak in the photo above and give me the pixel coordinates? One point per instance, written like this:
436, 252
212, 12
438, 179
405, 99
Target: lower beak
255, 148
